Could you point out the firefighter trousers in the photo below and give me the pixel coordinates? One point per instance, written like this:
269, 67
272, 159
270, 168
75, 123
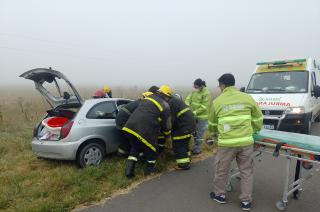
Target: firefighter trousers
181, 151
137, 147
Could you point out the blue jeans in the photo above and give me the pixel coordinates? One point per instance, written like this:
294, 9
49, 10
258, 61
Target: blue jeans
200, 130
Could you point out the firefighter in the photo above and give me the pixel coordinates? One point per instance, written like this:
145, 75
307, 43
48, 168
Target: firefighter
122, 117
183, 127
199, 102
108, 92
151, 117
235, 116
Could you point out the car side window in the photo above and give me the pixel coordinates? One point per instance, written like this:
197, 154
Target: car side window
103, 110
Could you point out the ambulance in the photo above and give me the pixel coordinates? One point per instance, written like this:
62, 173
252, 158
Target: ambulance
287, 92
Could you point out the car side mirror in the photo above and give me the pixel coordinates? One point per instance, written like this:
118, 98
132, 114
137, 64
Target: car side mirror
243, 89
316, 91
66, 95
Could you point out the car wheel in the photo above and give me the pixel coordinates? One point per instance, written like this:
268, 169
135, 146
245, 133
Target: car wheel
90, 155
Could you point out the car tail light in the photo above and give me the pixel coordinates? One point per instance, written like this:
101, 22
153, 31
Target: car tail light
66, 129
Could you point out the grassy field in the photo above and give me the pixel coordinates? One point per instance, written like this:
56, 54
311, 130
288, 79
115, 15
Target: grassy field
32, 184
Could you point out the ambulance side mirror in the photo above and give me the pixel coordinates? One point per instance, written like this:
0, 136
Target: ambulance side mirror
316, 91
243, 89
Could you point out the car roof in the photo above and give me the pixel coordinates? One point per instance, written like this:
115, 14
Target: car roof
105, 100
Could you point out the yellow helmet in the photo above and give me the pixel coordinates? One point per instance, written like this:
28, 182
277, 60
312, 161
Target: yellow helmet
146, 94
166, 90
106, 89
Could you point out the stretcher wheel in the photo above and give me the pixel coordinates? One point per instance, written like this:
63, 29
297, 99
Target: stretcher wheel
229, 187
281, 206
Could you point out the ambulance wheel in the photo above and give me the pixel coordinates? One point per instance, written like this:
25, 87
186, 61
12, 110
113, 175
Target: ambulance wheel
281, 206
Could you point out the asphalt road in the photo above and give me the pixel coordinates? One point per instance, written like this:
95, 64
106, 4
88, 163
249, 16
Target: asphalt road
184, 191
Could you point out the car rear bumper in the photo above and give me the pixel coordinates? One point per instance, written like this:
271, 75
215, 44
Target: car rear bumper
55, 149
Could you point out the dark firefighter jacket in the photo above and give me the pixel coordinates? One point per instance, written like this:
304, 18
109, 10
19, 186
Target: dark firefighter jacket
125, 112
151, 118
183, 120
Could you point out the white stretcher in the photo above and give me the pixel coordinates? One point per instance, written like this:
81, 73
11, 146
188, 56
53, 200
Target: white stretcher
280, 145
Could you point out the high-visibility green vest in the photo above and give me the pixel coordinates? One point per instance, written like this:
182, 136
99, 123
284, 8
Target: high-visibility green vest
235, 116
199, 102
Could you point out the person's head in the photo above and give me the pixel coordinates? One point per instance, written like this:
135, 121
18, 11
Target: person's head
226, 80
107, 90
99, 94
165, 91
153, 89
198, 84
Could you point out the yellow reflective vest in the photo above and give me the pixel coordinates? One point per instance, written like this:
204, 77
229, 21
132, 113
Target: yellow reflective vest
235, 116
199, 102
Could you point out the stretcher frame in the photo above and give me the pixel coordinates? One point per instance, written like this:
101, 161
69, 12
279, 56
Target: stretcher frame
291, 154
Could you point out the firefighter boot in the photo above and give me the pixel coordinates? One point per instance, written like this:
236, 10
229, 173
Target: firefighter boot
150, 168
130, 168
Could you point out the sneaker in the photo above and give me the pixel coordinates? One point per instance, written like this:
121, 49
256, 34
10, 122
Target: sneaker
218, 198
246, 206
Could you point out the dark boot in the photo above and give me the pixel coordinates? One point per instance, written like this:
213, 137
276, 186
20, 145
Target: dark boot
183, 166
150, 168
130, 168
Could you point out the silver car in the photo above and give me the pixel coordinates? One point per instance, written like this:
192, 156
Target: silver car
90, 132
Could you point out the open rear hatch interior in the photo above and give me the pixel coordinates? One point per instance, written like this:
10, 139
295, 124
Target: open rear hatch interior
52, 126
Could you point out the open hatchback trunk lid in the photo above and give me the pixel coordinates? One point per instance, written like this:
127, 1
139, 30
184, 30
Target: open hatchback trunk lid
53, 86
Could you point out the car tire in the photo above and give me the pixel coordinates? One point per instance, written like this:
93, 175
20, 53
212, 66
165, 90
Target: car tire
90, 154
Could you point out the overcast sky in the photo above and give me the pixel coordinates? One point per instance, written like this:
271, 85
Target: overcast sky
136, 42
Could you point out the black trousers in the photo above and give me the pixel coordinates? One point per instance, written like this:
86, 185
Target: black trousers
181, 151
137, 147
124, 146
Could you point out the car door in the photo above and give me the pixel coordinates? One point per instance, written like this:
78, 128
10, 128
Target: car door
101, 121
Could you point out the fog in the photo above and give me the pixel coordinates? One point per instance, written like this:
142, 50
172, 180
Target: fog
153, 42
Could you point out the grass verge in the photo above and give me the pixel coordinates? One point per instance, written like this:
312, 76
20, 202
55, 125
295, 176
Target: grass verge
32, 184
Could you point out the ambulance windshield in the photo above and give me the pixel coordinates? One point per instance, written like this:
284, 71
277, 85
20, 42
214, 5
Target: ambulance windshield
279, 82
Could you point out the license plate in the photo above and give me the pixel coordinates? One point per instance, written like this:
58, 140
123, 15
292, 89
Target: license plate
268, 126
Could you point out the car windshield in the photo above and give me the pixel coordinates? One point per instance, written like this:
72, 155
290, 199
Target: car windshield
279, 82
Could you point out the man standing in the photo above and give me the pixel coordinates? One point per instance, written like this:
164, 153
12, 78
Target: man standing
149, 119
199, 102
235, 116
